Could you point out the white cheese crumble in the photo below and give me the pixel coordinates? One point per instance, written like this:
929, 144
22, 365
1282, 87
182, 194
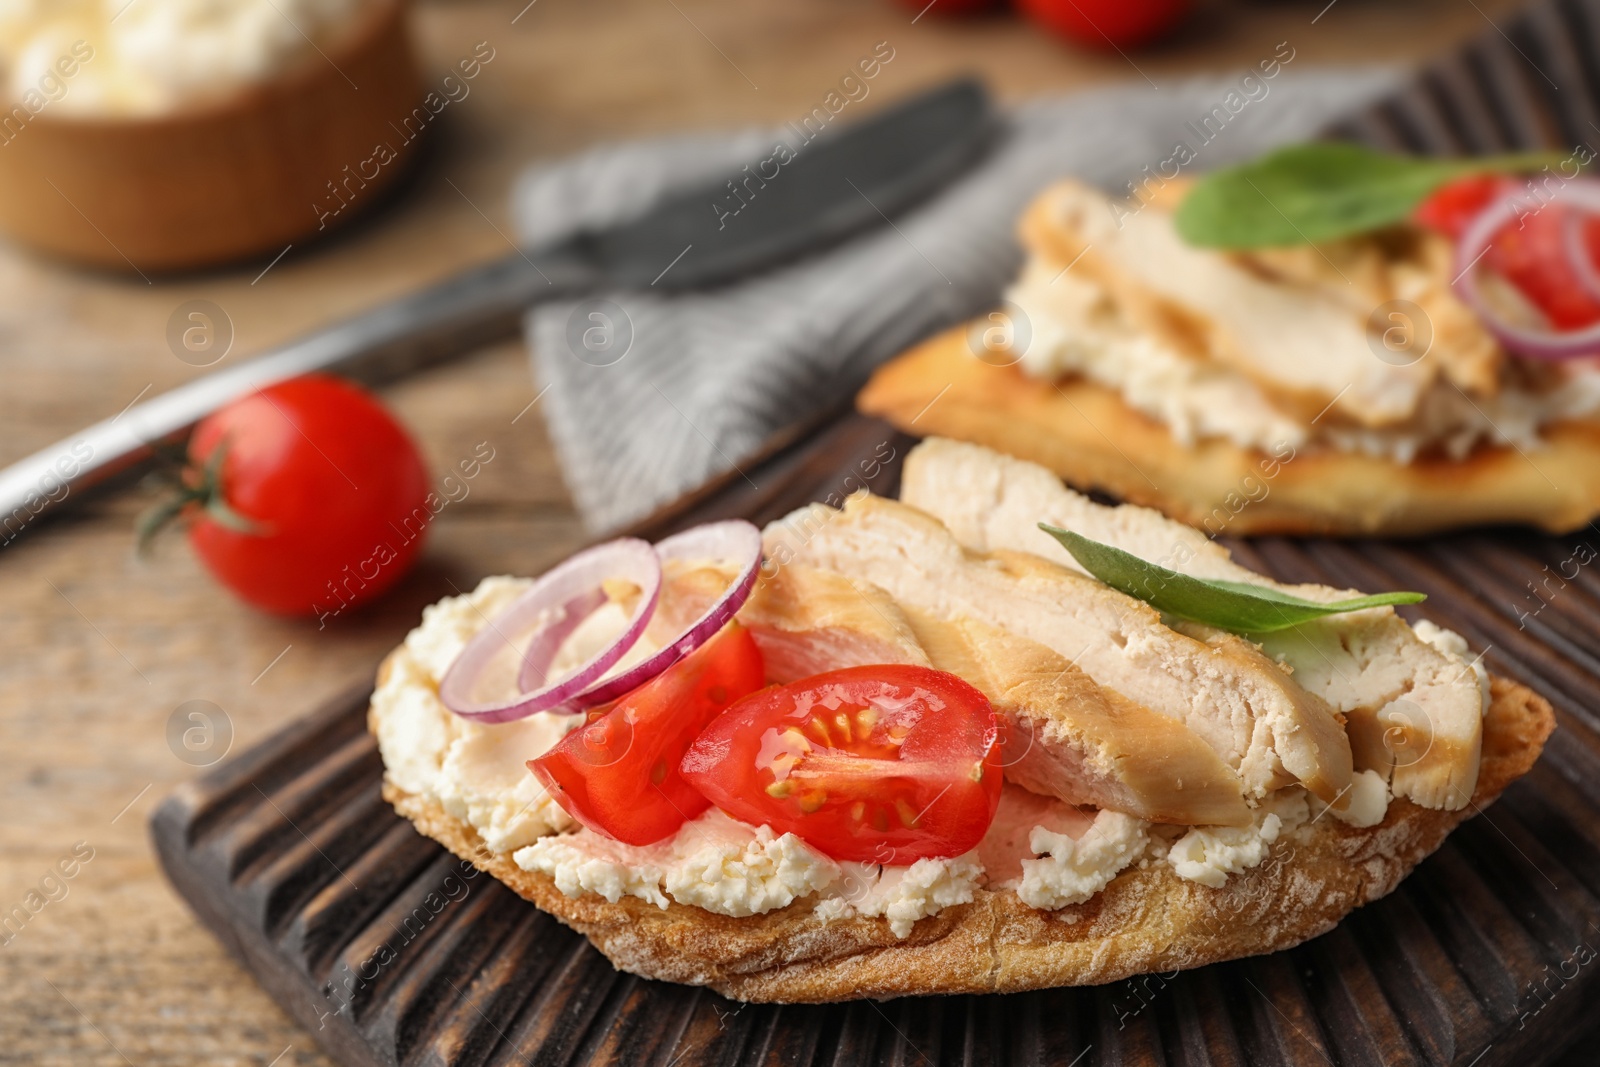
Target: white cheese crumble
448, 625
1453, 645
1369, 801
152, 56
1208, 854
903, 895
1071, 871
484, 780
476, 772
713, 862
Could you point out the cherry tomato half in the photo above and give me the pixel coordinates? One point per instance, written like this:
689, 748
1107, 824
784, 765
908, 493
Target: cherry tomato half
1453, 205
1530, 251
618, 775
878, 764
331, 491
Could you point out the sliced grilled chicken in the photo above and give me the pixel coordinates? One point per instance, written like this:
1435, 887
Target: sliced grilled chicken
808, 621
1067, 738
1076, 740
1414, 710
1252, 715
1296, 341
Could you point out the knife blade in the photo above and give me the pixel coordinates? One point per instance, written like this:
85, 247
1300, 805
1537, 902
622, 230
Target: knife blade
836, 185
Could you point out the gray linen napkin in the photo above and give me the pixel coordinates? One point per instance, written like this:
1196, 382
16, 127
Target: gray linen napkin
647, 397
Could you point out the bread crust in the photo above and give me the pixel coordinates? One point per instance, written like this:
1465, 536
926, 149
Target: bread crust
1089, 436
1147, 920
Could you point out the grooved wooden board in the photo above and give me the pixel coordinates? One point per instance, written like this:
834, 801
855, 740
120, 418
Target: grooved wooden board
1481, 958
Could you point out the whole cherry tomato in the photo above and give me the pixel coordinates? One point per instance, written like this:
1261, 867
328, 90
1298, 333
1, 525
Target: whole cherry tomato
881, 764
1107, 24
305, 498
618, 773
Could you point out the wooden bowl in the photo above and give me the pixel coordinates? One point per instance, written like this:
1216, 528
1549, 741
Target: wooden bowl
247, 175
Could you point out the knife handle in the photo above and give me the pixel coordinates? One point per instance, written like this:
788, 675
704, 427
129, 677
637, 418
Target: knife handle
471, 309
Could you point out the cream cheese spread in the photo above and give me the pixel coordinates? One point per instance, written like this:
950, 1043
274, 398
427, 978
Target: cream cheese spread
730, 868
152, 56
1208, 854
1073, 870
713, 862
476, 772
902, 895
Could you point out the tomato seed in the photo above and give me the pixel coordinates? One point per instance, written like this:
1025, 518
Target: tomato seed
908, 816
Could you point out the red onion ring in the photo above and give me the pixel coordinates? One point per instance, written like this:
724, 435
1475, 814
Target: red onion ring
1475, 242
734, 540
573, 589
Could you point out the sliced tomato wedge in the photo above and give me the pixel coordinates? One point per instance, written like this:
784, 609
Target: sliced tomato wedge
882, 764
1453, 205
618, 773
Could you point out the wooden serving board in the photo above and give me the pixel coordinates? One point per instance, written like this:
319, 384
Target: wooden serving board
1485, 956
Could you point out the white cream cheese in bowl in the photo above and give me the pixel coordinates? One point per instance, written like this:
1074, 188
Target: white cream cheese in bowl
148, 57
196, 133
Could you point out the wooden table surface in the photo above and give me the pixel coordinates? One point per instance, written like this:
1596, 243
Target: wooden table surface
98, 647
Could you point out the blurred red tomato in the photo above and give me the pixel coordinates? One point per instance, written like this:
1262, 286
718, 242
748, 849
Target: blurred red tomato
949, 7
1107, 24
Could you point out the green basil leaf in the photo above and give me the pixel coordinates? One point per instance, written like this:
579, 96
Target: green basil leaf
1236, 606
1309, 193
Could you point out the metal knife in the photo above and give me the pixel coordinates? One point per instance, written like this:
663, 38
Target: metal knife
839, 184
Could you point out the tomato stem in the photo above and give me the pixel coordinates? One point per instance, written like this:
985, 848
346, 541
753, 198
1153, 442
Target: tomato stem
201, 488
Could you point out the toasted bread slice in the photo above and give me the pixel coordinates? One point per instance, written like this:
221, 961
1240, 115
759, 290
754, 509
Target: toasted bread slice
1089, 436
1147, 920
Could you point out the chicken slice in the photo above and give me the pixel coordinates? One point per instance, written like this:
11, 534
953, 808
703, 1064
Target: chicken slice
1309, 350
1252, 715
1068, 737
1074, 740
1414, 710
808, 621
